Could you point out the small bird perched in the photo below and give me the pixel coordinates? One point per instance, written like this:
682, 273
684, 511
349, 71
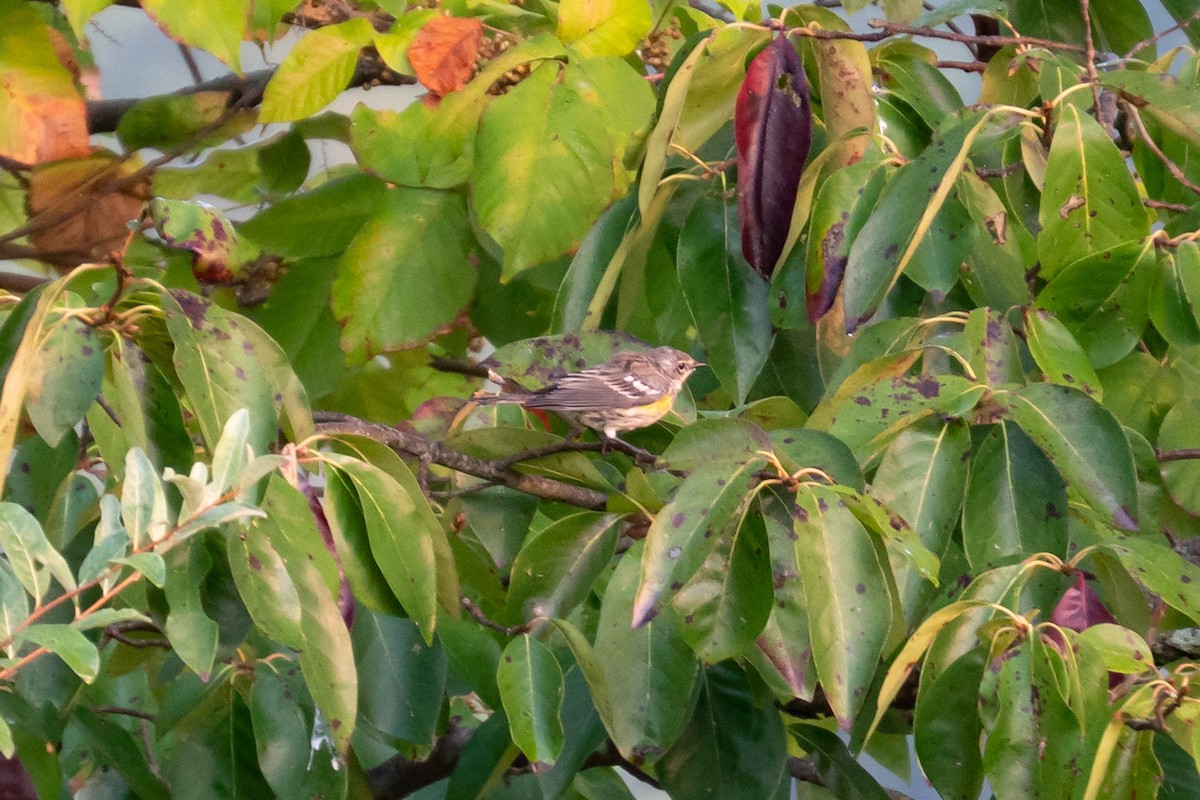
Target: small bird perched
631, 390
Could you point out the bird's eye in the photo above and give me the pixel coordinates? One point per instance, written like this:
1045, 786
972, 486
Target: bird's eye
682, 366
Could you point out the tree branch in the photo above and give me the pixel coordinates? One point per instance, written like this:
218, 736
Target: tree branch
415, 444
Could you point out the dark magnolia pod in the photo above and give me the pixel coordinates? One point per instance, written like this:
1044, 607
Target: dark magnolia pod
773, 131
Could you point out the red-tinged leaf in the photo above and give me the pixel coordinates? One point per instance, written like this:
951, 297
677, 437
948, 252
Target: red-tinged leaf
201, 229
42, 116
773, 131
443, 53
1080, 608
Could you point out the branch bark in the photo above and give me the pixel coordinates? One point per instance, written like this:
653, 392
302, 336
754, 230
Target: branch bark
414, 444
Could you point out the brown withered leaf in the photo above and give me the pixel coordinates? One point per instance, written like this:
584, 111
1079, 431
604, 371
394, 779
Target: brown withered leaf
444, 51
102, 211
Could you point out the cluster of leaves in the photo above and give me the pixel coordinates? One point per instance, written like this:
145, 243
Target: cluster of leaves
951, 394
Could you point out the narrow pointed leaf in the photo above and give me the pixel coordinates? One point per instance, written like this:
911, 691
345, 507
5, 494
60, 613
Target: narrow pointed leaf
846, 595
531, 686
75, 649
727, 301
1085, 443
684, 532
32, 558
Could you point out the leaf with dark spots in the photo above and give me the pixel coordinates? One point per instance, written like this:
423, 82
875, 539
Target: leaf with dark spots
841, 207
1080, 608
674, 553
773, 132
201, 229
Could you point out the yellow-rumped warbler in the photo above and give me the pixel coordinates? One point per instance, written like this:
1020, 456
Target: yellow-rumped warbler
631, 390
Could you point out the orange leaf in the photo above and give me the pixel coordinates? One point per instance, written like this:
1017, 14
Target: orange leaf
42, 116
443, 53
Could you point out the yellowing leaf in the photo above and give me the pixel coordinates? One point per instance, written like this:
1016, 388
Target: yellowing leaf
42, 117
217, 26
315, 72
604, 27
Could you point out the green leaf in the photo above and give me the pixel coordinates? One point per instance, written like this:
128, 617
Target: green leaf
116, 747
1175, 296
837, 766
326, 658
651, 670
611, 28
733, 746
607, 239
1015, 501
1178, 432
1102, 299
847, 596
406, 276
169, 121
150, 565
344, 513
264, 585
143, 501
685, 531
921, 478
889, 239
727, 299
65, 378
555, 569
419, 146
1166, 99
320, 222
1161, 570
531, 686
994, 270
1090, 202
14, 604
32, 558
315, 71
281, 738
1058, 355
907, 74
217, 27
726, 604
1029, 709
705, 441
542, 168
946, 728
1084, 442
69, 644
220, 358
1119, 649
192, 633
401, 680
991, 348
401, 528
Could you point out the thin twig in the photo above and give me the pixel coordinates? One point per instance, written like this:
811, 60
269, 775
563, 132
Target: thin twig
965, 66
1164, 205
1175, 170
477, 614
190, 60
1089, 55
1182, 454
1144, 43
126, 712
417, 445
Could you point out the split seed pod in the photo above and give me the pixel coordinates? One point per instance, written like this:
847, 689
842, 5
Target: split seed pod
773, 132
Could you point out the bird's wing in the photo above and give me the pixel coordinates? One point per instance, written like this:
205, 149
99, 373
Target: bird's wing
596, 389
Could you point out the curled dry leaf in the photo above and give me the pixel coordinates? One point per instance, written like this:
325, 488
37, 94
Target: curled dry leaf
444, 51
773, 131
114, 196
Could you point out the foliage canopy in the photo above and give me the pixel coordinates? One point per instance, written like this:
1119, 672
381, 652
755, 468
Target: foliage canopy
938, 482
